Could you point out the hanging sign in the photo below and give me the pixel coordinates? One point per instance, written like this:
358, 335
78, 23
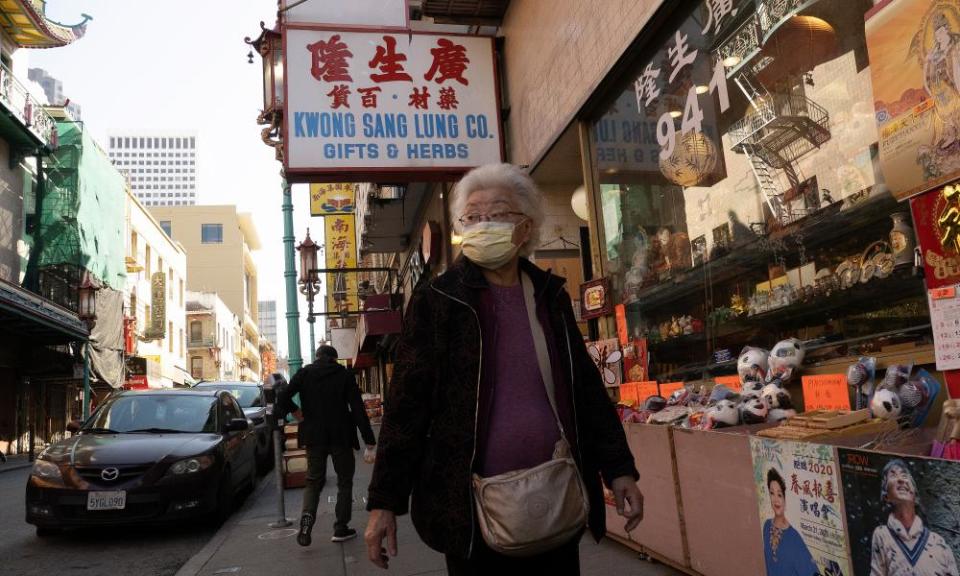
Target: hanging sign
341, 252
379, 13
398, 105
914, 46
801, 514
332, 198
595, 299
826, 392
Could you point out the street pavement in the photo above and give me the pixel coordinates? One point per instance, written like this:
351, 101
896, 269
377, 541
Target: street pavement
246, 544
137, 551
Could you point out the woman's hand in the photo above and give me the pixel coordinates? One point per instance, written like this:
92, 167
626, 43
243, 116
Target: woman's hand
629, 500
382, 524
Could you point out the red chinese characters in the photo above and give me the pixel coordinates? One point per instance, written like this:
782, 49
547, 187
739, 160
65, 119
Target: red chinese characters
368, 96
389, 61
340, 95
449, 61
419, 100
329, 60
448, 99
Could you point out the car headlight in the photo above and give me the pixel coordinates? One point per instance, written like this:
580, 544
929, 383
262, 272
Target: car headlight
46, 470
190, 465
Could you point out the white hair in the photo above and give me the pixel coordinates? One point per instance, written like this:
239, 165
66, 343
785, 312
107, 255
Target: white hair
506, 177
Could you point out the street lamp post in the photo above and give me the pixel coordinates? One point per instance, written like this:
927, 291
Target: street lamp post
309, 283
87, 311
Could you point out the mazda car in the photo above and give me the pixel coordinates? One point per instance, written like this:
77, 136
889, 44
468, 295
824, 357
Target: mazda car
251, 399
145, 456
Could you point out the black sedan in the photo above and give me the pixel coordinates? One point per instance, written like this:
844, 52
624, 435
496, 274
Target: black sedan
145, 456
251, 399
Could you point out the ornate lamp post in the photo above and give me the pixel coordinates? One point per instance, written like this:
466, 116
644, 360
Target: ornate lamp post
309, 283
270, 47
87, 311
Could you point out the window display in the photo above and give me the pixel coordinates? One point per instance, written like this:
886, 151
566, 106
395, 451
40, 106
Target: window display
743, 207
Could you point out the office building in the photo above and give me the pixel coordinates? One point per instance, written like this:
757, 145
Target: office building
53, 89
268, 321
161, 166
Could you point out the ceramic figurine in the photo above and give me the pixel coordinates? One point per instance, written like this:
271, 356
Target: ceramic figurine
902, 241
786, 358
886, 404
753, 411
722, 414
752, 364
675, 329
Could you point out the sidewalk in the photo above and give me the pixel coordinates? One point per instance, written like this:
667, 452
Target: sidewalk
247, 545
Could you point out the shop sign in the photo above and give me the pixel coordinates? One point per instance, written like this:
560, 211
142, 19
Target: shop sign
379, 13
826, 392
345, 341
801, 512
401, 105
158, 307
868, 479
595, 299
332, 198
341, 252
914, 50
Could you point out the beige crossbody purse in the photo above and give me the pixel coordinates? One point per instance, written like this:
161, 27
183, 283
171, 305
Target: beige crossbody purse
527, 512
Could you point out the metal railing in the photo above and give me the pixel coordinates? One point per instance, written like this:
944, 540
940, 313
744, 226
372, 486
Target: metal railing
203, 342
18, 100
751, 129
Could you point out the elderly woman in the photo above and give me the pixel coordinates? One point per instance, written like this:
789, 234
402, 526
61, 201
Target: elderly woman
468, 394
904, 546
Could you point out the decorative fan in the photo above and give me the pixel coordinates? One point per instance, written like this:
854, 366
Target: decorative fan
607, 361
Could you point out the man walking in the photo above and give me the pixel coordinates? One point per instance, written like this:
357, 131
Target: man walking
332, 411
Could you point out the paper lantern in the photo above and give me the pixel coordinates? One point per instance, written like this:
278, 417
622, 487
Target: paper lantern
694, 158
579, 204
797, 46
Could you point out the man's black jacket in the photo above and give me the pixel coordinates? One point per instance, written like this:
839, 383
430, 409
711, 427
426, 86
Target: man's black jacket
331, 405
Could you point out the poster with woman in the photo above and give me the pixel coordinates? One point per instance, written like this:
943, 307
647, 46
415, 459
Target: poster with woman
800, 508
903, 514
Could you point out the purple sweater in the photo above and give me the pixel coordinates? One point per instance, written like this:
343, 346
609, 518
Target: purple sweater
517, 426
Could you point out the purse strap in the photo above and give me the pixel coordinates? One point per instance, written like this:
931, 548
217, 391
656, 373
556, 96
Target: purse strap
540, 344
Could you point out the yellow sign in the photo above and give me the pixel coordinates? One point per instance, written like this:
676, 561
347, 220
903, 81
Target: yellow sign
331, 199
341, 252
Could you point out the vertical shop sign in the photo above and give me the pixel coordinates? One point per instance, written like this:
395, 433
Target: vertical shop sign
880, 490
397, 104
331, 199
798, 491
914, 50
341, 252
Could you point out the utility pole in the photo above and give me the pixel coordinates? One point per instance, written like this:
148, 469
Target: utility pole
290, 279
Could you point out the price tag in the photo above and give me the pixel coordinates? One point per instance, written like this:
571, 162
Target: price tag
826, 392
731, 382
669, 388
944, 293
646, 390
628, 394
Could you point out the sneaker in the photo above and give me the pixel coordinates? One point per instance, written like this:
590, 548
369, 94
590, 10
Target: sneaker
306, 526
343, 534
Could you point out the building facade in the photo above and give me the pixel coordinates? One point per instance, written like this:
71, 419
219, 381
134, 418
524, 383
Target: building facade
219, 243
41, 337
214, 338
268, 321
155, 300
161, 166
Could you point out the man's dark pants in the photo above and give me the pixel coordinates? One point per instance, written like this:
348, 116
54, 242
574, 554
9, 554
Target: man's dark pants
344, 465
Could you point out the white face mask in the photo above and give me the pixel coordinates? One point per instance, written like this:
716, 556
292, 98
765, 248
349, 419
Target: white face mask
489, 244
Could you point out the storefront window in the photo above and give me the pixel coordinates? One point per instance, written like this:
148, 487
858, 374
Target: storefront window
742, 199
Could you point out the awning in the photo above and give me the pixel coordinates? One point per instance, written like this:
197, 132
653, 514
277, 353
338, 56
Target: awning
466, 11
36, 319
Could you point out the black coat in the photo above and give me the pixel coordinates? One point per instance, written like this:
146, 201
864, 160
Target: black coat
428, 440
331, 404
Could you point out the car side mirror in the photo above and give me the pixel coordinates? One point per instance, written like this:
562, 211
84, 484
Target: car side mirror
237, 425
73, 426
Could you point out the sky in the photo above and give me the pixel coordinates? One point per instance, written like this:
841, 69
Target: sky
182, 64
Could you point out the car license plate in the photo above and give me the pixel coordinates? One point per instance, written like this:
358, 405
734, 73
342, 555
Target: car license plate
115, 500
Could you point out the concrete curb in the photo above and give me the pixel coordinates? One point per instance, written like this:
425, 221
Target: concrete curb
199, 560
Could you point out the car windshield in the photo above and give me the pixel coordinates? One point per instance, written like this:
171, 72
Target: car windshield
155, 413
247, 396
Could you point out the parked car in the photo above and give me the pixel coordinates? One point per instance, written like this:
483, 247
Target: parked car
253, 402
145, 456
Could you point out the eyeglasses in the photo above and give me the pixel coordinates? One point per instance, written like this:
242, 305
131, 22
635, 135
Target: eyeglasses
476, 218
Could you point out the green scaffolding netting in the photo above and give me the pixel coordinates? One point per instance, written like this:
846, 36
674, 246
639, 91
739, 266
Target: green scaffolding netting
83, 209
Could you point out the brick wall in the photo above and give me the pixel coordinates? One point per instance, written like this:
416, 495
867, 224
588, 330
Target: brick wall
556, 53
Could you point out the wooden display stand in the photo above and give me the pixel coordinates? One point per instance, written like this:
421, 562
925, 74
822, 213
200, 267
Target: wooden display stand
294, 460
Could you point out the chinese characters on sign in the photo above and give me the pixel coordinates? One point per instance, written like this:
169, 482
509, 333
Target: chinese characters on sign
361, 100
341, 252
798, 490
826, 392
330, 199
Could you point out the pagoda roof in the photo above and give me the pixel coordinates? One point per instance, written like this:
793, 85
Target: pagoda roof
25, 21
